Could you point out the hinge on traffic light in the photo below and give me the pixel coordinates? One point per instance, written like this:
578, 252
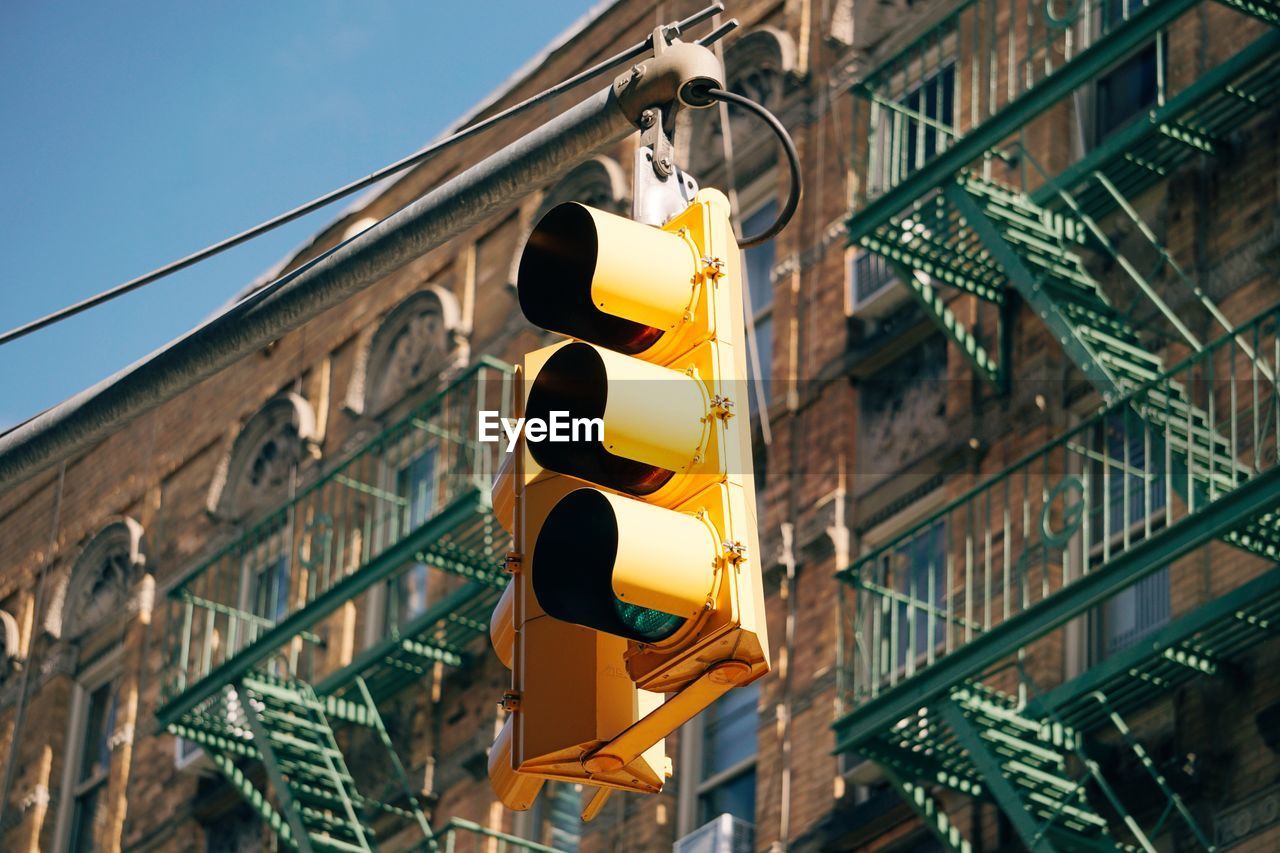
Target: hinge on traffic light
722, 407
510, 701
512, 562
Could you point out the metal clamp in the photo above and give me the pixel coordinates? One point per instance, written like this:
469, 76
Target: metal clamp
722, 407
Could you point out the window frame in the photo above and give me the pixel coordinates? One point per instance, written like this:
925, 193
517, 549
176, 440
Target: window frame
885, 531
759, 196
692, 742
381, 598
1090, 113
106, 670
1099, 621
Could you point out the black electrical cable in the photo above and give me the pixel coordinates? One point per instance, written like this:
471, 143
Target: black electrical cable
788, 148
418, 157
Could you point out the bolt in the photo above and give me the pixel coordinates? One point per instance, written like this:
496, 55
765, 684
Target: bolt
646, 120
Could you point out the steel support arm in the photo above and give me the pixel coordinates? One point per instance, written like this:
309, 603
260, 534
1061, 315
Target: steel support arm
494, 184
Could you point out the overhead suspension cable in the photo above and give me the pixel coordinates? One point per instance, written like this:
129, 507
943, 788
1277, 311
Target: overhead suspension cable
418, 157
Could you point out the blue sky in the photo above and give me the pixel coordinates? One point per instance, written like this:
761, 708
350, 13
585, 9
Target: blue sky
135, 133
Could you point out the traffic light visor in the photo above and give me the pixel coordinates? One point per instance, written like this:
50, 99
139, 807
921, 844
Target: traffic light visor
621, 566
605, 279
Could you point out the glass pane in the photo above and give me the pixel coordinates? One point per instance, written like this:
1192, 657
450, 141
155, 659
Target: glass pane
566, 817
418, 487
271, 590
736, 797
759, 260
1135, 612
871, 275
1130, 477
416, 482
934, 100
86, 822
918, 570
729, 732
410, 592
1127, 91
764, 346
100, 722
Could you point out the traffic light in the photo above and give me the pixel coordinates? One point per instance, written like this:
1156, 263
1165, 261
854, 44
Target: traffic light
636, 597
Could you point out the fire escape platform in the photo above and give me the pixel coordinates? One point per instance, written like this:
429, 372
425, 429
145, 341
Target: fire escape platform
245, 630
1197, 644
900, 702
430, 539
1197, 121
970, 147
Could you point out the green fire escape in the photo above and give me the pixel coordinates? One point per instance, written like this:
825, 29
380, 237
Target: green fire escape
942, 625
283, 645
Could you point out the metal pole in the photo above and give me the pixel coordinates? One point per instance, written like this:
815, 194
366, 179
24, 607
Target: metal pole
533, 161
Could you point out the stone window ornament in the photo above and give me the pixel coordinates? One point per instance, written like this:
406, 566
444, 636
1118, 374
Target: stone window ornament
419, 340
97, 587
254, 474
10, 644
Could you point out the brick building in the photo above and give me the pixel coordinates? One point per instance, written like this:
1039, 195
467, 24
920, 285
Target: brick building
1016, 454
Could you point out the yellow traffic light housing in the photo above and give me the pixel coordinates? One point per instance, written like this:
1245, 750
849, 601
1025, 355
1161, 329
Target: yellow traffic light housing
637, 562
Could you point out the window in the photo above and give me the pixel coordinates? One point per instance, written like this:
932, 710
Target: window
264, 586
928, 105
566, 816
417, 486
727, 761
1132, 86
870, 276
271, 590
1130, 496
83, 815
912, 128
917, 569
759, 262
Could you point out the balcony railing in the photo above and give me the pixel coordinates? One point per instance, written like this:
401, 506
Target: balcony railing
414, 498
1175, 450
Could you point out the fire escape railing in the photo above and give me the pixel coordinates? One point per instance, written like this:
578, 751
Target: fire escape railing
1186, 457
257, 602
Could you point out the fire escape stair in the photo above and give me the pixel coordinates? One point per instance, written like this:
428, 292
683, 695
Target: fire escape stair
312, 802
979, 742
976, 742
1039, 251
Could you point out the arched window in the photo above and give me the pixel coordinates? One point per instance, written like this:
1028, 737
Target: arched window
419, 341
255, 473
98, 584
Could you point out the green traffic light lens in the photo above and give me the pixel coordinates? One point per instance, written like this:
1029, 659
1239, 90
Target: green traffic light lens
647, 623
